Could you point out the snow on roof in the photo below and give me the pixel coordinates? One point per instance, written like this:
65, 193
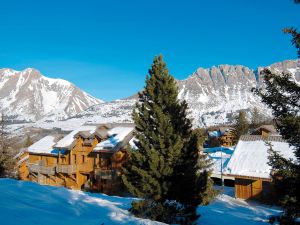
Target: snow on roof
250, 157
220, 157
68, 140
116, 135
44, 145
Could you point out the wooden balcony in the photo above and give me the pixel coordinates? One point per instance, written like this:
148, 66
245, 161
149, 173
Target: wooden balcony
68, 169
35, 168
105, 174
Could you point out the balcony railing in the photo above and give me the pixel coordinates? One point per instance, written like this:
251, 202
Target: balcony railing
69, 169
105, 174
35, 168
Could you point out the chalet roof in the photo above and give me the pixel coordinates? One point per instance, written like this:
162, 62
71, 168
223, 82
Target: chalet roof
269, 128
250, 158
101, 133
44, 145
224, 130
84, 134
115, 131
67, 141
118, 137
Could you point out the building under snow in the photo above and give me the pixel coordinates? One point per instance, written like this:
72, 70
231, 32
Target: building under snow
249, 164
88, 157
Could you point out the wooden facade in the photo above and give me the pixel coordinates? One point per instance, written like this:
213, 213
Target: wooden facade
249, 167
227, 138
79, 166
251, 187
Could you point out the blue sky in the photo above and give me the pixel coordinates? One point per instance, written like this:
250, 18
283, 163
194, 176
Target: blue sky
106, 47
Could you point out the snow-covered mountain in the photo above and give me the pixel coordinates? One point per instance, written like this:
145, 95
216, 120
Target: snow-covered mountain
29, 96
214, 96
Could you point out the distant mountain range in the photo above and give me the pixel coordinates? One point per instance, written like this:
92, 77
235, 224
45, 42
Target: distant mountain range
214, 96
29, 96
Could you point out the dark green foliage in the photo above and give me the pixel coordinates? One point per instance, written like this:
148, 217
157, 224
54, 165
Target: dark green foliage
284, 176
159, 211
165, 165
241, 125
201, 136
6, 158
295, 39
282, 95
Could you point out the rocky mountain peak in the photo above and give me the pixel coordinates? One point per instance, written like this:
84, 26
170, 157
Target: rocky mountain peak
27, 95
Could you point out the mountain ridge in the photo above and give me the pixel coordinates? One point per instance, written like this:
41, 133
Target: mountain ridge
27, 95
214, 95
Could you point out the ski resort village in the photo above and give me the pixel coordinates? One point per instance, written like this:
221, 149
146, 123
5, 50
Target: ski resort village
150, 112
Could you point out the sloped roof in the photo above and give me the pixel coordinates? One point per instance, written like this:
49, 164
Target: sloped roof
250, 157
224, 130
220, 157
118, 137
276, 138
269, 128
68, 140
44, 145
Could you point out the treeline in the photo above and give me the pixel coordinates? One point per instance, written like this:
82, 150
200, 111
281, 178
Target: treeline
7, 162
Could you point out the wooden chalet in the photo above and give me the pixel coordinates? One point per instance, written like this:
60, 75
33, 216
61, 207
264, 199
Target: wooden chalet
88, 158
227, 136
249, 165
265, 130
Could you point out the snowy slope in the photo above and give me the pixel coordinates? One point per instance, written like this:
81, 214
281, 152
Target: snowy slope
28, 96
29, 203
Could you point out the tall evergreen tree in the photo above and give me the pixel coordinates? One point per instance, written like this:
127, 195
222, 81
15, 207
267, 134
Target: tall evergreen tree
166, 152
6, 158
256, 119
27, 142
241, 124
295, 37
282, 95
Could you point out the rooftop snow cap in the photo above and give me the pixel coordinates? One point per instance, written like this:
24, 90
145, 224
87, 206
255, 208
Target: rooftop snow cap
68, 141
250, 158
44, 145
118, 137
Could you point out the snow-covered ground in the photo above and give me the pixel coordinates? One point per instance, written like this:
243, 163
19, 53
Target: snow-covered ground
230, 211
29, 203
